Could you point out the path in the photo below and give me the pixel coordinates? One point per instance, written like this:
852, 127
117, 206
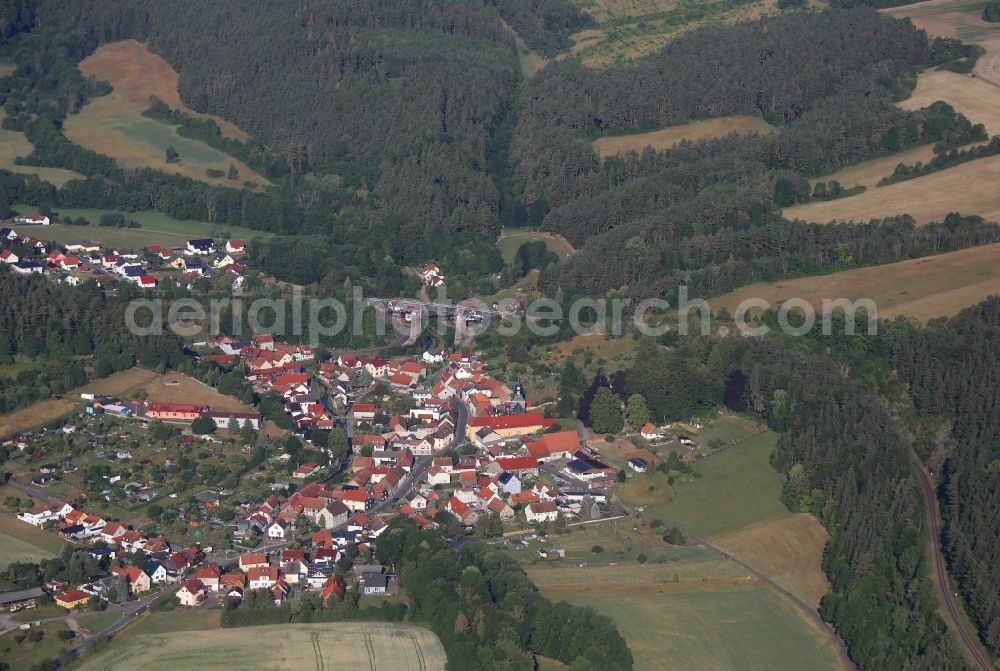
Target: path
808, 613
967, 641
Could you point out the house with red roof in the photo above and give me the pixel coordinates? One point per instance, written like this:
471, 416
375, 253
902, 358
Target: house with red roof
335, 587
252, 560
210, 576
559, 445
509, 426
192, 593
462, 512
147, 282
235, 246
262, 577
181, 412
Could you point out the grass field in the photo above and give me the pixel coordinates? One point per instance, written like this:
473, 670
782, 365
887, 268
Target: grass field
157, 228
737, 487
511, 239
13, 144
328, 647
787, 549
11, 528
712, 619
969, 188
179, 388
668, 137
26, 655
935, 286
630, 29
114, 124
43, 412
15, 550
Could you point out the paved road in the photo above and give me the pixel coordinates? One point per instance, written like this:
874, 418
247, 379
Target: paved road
805, 608
967, 641
32, 491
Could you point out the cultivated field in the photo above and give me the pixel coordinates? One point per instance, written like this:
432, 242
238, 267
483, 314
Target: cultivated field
969, 188
114, 124
179, 388
712, 619
935, 286
327, 647
156, 228
975, 98
694, 131
788, 549
13, 144
511, 239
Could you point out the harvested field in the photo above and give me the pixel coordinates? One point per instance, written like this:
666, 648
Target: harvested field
327, 647
935, 286
36, 414
961, 19
969, 188
789, 550
136, 73
668, 137
120, 383
975, 98
869, 173
114, 124
178, 388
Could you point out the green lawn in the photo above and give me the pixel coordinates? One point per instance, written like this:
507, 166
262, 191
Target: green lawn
14, 549
157, 228
737, 487
512, 239
11, 527
716, 631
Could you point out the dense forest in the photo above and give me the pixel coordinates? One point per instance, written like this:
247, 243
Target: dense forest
953, 371
71, 334
464, 145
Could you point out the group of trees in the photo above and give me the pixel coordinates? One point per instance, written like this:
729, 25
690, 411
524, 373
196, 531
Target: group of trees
477, 600
952, 368
58, 327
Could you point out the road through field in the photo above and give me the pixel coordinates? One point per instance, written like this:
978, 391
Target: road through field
806, 610
967, 641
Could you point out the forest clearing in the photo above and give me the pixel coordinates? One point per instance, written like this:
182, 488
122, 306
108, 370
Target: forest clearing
114, 124
659, 140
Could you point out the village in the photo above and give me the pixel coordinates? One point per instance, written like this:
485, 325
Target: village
433, 438
76, 262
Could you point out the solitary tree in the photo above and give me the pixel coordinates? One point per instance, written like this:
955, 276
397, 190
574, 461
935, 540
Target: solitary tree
606, 412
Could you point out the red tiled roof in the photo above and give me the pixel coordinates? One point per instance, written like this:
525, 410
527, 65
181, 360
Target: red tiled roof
524, 421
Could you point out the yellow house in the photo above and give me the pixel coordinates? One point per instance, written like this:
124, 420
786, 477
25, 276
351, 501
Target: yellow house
178, 263
72, 598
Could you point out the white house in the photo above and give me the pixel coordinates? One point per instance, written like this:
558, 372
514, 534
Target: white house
39, 515
277, 529
34, 219
543, 511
